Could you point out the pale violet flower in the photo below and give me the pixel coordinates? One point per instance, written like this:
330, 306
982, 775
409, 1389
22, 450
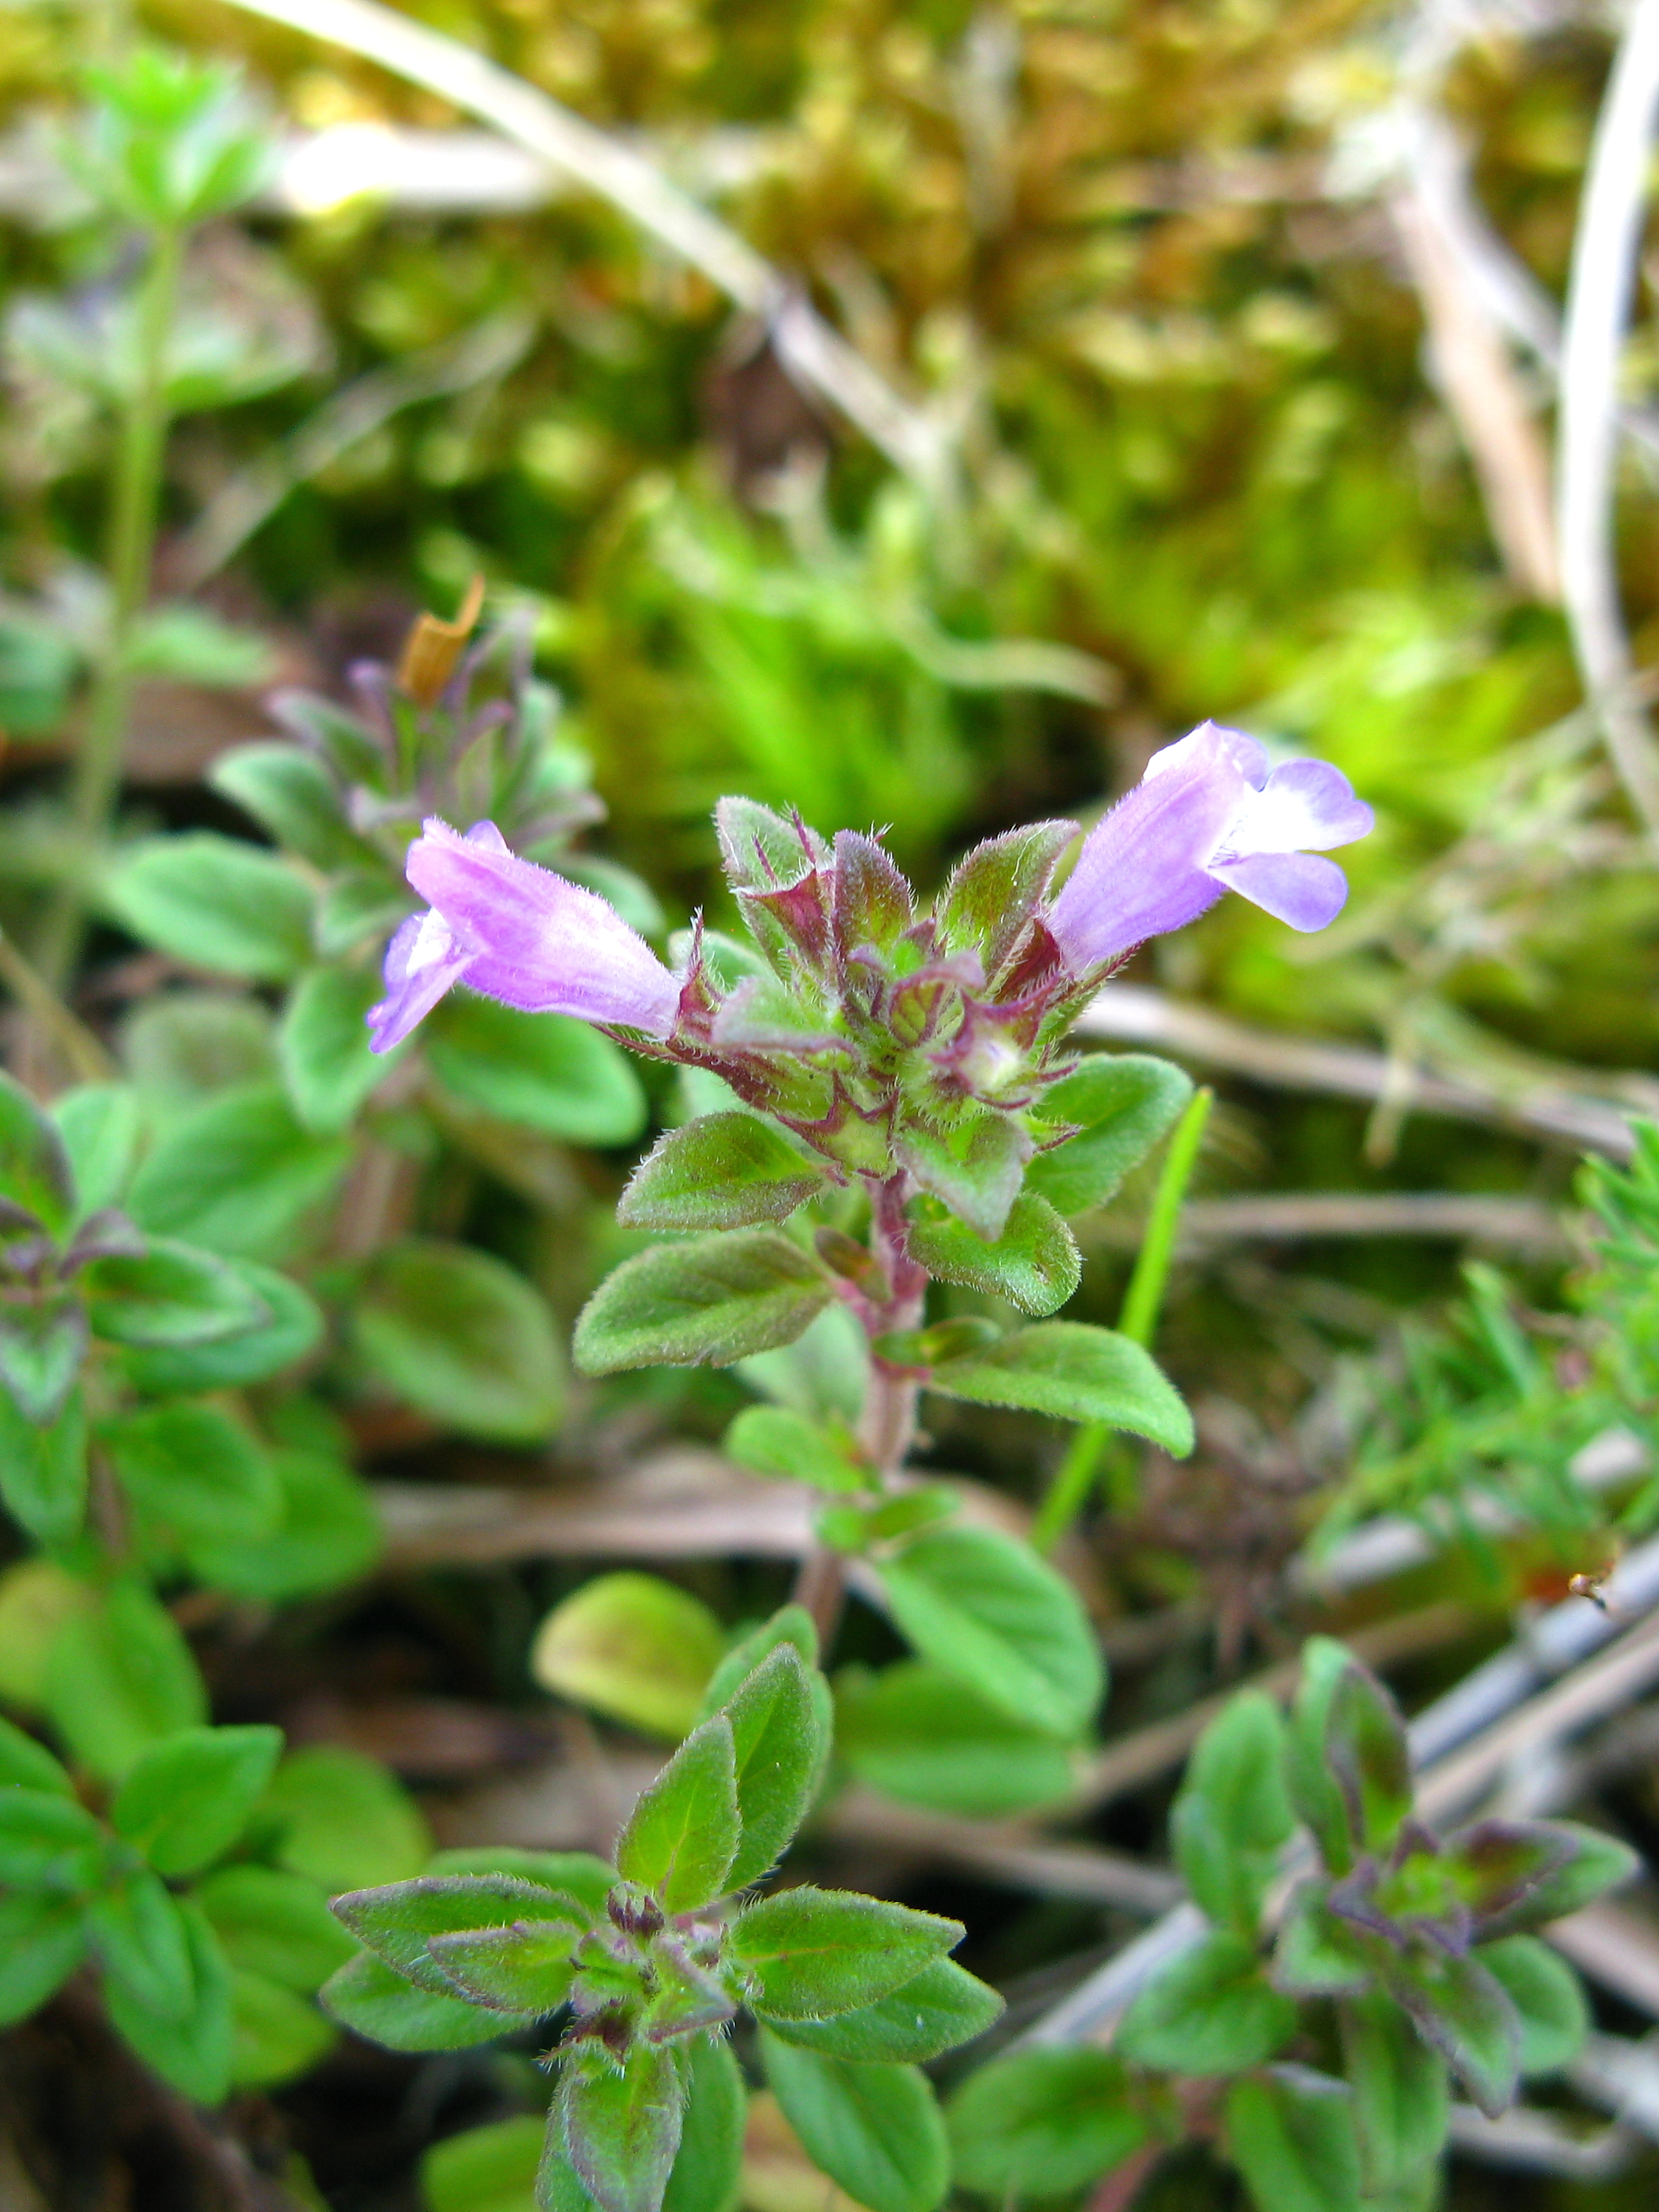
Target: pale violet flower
519, 933
1209, 815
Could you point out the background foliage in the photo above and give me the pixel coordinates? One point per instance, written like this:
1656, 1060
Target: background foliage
1144, 268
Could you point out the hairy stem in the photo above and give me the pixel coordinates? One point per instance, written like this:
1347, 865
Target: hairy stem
887, 1428
1142, 1303
1121, 2187
134, 505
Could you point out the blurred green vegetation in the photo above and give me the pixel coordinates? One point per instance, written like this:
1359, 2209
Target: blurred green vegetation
1134, 259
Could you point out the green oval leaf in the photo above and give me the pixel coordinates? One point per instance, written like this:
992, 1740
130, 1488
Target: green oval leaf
814, 1952
239, 1174
1209, 2010
215, 902
922, 1736
632, 1646
322, 1044
462, 1338
1073, 1373
986, 1609
368, 1998
544, 1071
875, 2130
1041, 2123
720, 1171
944, 2007
706, 1302
187, 1801
1035, 1264
1121, 1104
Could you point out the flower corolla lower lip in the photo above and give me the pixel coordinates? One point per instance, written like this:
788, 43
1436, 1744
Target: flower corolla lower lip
1209, 815
519, 933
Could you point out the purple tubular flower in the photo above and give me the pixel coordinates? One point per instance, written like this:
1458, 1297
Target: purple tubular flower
519, 933
1208, 817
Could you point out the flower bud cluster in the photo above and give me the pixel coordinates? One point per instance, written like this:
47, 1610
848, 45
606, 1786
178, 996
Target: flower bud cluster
645, 1974
884, 1036
893, 1042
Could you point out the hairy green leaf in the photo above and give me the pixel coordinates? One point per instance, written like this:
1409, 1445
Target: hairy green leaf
1465, 2011
1121, 1104
706, 1302
1591, 1863
780, 1742
1035, 1262
622, 2125
974, 1170
525, 1968
944, 2006
367, 1996
398, 1921
790, 1624
720, 1171
1072, 1372
682, 1832
815, 1951
709, 2161
995, 890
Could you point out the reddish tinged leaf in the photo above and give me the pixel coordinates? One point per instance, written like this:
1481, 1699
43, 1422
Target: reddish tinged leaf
1467, 2014
995, 890
1497, 1864
1591, 1862
622, 2125
797, 911
873, 904
1366, 1744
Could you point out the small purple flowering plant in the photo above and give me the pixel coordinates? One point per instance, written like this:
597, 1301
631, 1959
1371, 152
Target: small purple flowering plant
871, 1045
901, 1104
